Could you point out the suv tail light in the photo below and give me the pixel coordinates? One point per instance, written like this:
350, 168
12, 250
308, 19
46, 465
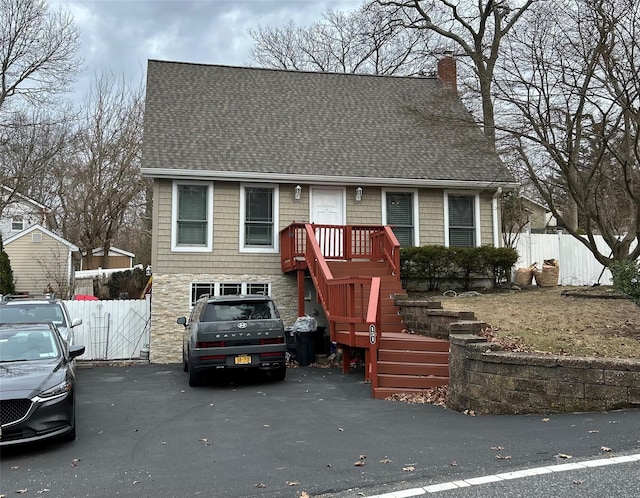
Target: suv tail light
210, 344
274, 340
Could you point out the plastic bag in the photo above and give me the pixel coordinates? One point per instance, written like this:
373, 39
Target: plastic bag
305, 324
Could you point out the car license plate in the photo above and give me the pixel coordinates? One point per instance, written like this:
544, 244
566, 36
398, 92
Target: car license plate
243, 360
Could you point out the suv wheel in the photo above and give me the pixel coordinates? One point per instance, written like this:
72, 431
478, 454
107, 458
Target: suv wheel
280, 373
194, 378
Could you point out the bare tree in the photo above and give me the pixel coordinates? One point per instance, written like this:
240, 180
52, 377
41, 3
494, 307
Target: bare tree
477, 29
100, 184
55, 276
37, 51
573, 88
362, 41
38, 61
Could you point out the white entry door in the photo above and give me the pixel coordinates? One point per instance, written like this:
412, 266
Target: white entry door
327, 208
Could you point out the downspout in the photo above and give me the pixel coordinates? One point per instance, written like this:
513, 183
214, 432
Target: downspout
496, 218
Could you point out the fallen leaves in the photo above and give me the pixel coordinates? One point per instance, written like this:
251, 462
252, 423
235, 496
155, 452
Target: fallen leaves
503, 457
605, 449
261, 485
293, 483
436, 396
408, 468
385, 460
360, 462
74, 462
563, 455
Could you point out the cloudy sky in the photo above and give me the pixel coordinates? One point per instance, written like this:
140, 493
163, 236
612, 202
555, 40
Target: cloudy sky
121, 35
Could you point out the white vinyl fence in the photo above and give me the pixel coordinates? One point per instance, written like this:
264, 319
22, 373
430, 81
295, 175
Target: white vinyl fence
578, 266
112, 330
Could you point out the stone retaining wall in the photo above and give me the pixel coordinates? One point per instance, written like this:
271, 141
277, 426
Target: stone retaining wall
487, 380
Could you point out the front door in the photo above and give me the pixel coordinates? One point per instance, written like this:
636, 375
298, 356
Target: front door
327, 208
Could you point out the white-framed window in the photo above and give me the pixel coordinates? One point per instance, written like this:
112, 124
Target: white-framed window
462, 219
199, 289
192, 217
400, 210
259, 218
17, 223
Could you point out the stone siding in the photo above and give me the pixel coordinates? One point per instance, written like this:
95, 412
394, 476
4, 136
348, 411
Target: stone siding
486, 380
171, 299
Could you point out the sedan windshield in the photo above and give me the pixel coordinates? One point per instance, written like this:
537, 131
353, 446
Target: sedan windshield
23, 345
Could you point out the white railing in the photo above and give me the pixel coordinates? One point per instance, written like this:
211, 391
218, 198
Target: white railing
112, 330
578, 266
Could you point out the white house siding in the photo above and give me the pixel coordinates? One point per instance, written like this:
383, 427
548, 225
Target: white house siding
30, 217
171, 294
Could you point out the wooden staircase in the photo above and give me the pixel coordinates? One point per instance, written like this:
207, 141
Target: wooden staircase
396, 362
410, 364
407, 363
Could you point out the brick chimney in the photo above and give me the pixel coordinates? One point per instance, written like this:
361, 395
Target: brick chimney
447, 72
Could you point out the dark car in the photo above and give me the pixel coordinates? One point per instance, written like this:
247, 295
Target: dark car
37, 395
29, 309
233, 332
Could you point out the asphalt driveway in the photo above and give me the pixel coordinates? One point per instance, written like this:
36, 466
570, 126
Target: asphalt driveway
143, 432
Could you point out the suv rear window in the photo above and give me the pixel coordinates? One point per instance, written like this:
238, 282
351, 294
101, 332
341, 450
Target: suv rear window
26, 312
240, 310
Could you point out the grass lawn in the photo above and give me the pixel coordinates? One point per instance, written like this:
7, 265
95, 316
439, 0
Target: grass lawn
578, 321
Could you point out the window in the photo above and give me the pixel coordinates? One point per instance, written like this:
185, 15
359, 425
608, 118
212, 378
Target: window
17, 223
462, 225
401, 214
192, 212
258, 218
199, 289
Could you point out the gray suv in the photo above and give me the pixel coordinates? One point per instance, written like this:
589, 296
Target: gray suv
233, 332
18, 309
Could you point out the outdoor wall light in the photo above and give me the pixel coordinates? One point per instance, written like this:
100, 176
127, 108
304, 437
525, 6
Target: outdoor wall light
297, 192
358, 194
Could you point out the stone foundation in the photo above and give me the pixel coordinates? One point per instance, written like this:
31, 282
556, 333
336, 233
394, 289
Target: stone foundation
171, 299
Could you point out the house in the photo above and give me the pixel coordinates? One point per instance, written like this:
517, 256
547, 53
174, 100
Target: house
539, 216
116, 258
244, 159
42, 262
20, 212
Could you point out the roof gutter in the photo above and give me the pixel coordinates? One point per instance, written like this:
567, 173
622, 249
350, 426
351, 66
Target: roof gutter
496, 217
179, 174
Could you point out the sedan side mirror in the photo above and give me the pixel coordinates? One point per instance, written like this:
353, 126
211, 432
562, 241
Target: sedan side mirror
182, 321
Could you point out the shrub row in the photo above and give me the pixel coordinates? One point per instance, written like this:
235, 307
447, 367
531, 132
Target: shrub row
430, 265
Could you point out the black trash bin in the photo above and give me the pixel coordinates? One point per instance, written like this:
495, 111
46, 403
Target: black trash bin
306, 348
305, 331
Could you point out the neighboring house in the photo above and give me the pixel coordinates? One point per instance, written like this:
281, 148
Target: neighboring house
238, 154
117, 258
539, 217
42, 261
20, 213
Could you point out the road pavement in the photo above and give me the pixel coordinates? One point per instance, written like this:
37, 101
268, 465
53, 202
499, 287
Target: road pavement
143, 432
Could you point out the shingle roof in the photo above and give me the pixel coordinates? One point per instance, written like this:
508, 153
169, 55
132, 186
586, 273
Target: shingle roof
208, 118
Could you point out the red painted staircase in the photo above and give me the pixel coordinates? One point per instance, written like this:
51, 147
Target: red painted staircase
347, 286
407, 363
